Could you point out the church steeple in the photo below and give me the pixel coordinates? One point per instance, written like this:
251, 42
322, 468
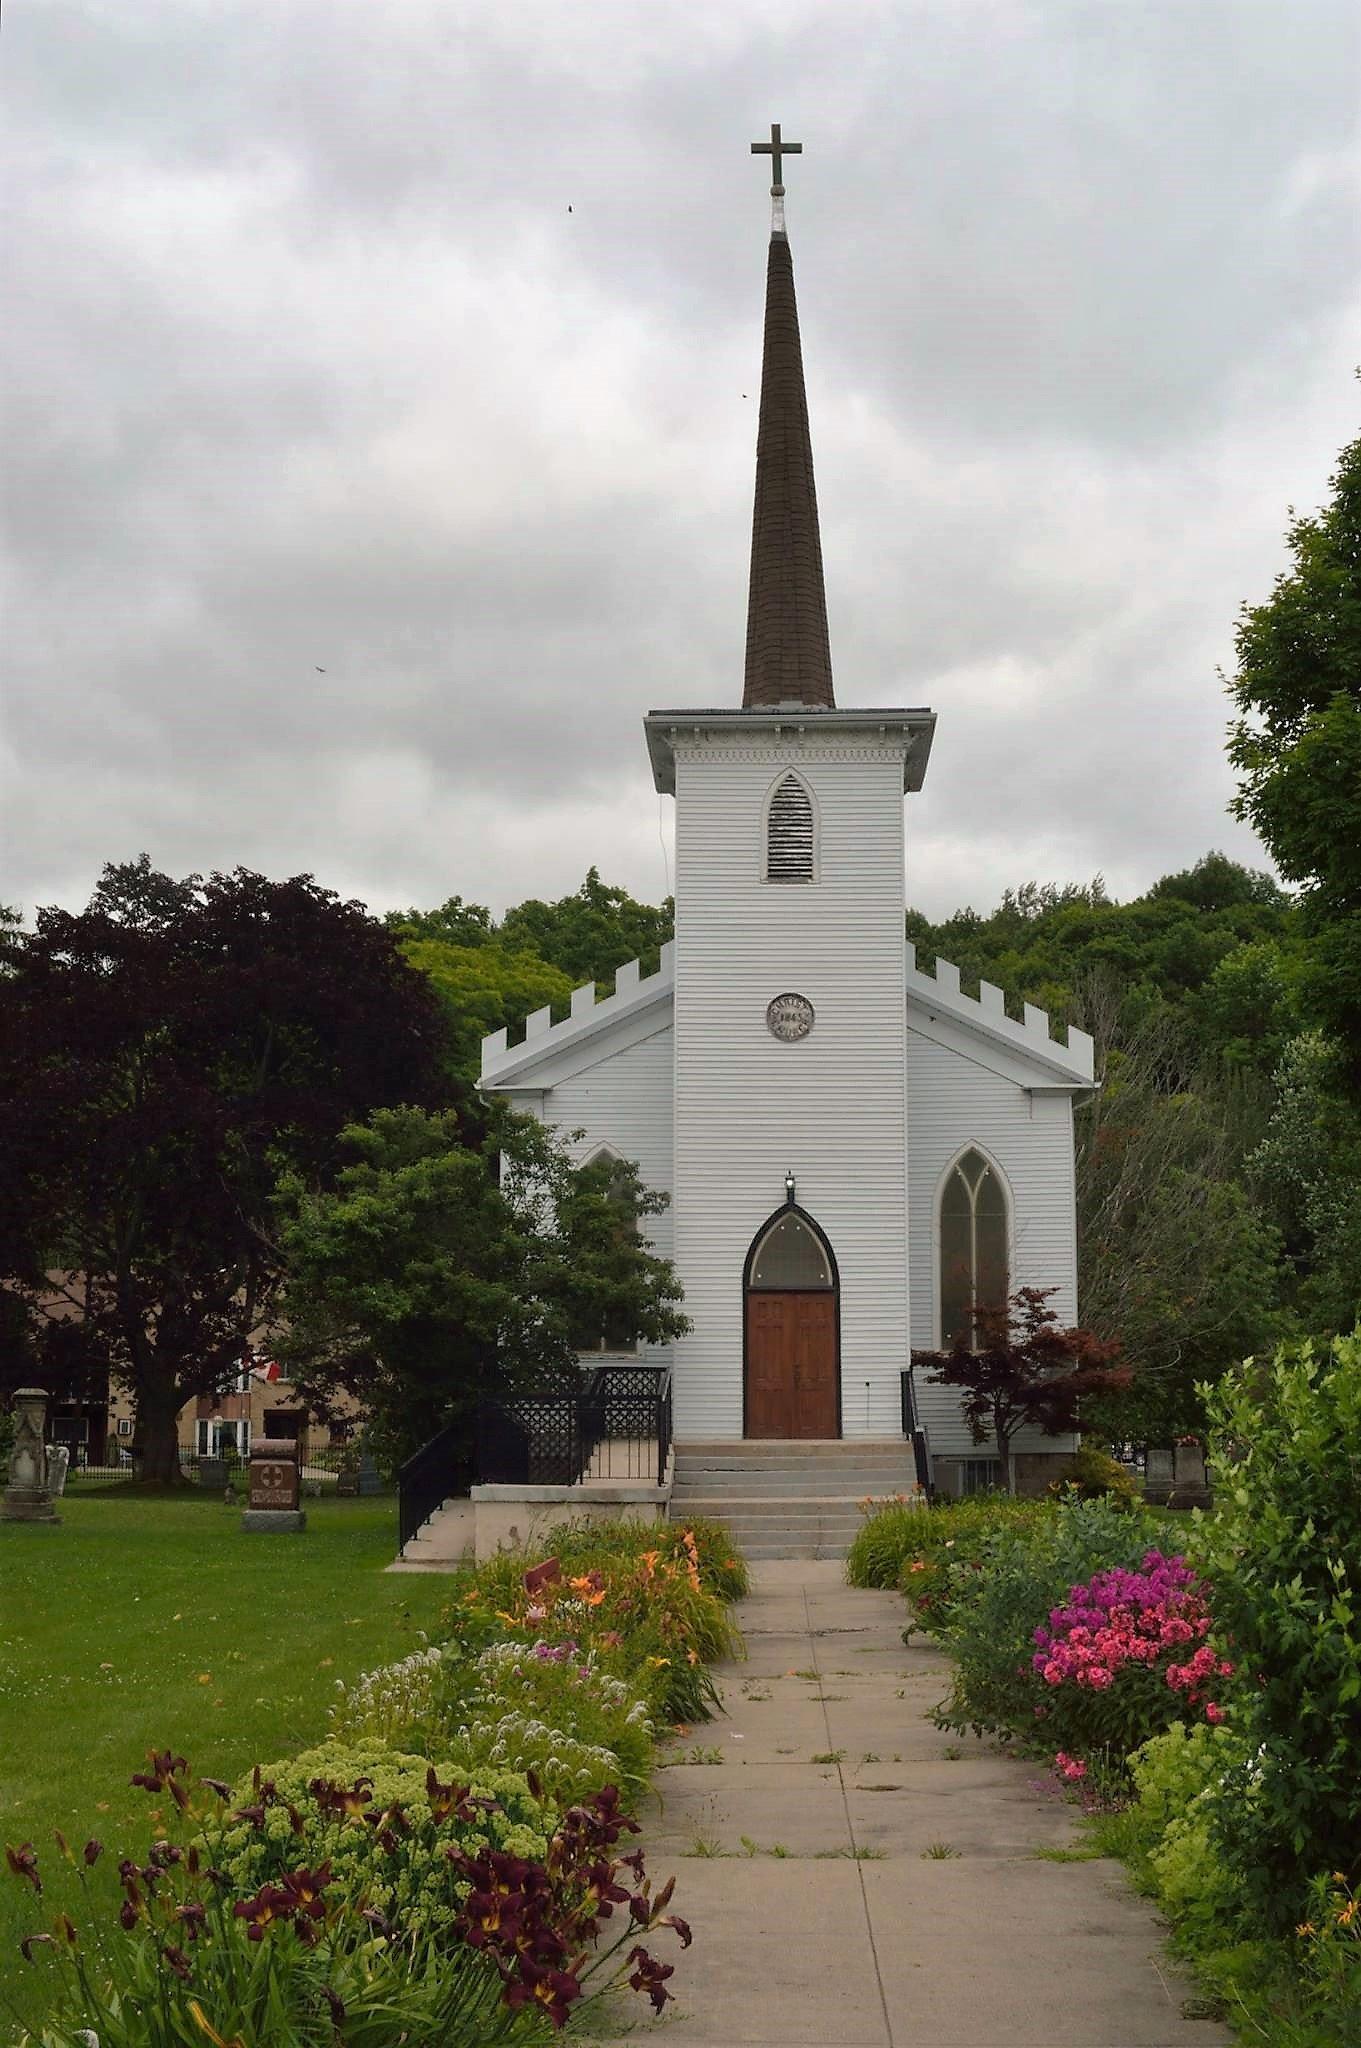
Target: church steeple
789, 657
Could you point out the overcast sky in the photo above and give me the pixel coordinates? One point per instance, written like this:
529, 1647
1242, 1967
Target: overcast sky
382, 382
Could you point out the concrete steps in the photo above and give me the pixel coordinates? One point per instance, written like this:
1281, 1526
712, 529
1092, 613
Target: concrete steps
781, 1499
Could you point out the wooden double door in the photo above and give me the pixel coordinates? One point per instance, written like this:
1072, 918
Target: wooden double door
793, 1372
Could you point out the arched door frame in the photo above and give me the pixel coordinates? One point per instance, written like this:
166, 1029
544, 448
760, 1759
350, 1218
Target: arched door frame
791, 1209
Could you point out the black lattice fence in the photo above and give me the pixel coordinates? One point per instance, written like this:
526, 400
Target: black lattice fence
210, 1470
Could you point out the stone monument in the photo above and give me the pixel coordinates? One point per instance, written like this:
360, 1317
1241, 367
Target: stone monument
274, 1487
58, 1464
1190, 1486
27, 1498
1158, 1474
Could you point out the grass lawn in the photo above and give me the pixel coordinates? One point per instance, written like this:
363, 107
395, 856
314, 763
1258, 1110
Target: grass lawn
147, 1622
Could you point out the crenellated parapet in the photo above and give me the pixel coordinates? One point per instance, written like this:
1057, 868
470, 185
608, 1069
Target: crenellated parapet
941, 993
633, 993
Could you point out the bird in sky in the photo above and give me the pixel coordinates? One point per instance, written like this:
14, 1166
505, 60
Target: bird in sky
320, 671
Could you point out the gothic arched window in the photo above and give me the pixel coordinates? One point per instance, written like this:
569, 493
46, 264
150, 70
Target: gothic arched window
974, 1238
790, 832
790, 1257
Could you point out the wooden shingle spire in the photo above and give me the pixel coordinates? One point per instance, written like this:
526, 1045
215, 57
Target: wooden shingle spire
789, 658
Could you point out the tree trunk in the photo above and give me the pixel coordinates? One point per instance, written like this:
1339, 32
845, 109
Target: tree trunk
1004, 1460
158, 1434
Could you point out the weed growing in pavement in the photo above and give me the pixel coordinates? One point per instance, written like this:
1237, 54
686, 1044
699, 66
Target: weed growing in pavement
938, 1852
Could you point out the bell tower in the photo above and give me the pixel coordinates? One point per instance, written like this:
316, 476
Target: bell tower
790, 1209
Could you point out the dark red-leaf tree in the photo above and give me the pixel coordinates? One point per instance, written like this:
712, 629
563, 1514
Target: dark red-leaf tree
164, 1054
1023, 1371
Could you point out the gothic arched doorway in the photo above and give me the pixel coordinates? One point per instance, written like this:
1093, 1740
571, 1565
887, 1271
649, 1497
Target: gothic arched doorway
792, 1331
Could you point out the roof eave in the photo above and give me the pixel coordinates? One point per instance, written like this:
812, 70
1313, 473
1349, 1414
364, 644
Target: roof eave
917, 724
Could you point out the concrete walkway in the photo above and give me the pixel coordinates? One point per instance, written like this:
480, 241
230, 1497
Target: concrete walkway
857, 1879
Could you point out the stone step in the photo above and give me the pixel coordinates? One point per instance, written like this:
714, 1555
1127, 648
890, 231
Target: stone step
777, 1504
761, 1553
748, 1449
853, 1486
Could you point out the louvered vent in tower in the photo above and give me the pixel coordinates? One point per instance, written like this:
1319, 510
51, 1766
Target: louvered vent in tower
789, 833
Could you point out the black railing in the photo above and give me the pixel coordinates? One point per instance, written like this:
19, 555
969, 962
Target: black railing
626, 1423
617, 1427
437, 1472
914, 1432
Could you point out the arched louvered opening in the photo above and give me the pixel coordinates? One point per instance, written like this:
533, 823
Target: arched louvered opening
790, 832
974, 1246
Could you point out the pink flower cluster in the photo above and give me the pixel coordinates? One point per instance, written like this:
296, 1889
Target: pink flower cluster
1070, 1767
1124, 1618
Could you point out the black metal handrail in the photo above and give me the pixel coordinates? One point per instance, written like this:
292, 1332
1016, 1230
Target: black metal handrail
915, 1433
430, 1476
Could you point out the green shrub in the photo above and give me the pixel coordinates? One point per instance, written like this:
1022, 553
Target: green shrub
1177, 1777
891, 1531
895, 1533
1092, 1473
400, 1869
1283, 1552
995, 1599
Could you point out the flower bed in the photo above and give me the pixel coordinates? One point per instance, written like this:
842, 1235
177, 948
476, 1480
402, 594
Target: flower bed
447, 1868
1206, 1706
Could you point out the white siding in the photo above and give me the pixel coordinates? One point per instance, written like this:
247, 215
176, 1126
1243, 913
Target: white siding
624, 1101
954, 1102
830, 1108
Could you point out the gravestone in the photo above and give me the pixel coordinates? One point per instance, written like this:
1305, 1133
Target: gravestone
1190, 1487
58, 1464
212, 1474
347, 1481
27, 1497
1158, 1474
274, 1487
370, 1478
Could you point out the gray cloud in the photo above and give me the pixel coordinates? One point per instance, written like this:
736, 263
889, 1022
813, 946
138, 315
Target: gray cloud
311, 368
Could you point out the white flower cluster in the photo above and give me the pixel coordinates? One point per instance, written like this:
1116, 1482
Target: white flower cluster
389, 1704
517, 1742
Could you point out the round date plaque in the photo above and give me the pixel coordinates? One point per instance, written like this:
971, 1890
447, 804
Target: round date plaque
789, 1017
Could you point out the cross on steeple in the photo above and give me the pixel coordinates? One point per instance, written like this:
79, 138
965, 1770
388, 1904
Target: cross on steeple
776, 151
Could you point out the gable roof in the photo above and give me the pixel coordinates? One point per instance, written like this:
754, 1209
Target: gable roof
977, 1026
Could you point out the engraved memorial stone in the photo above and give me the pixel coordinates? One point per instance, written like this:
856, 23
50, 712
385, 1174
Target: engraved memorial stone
274, 1486
27, 1498
1158, 1473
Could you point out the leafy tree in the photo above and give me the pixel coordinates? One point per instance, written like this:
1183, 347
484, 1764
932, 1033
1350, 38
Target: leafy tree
1175, 1255
1026, 1372
1308, 1168
160, 1053
1297, 741
591, 933
439, 1272
455, 923
483, 988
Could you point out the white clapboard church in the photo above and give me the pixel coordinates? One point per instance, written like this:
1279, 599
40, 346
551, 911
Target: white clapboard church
857, 1152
